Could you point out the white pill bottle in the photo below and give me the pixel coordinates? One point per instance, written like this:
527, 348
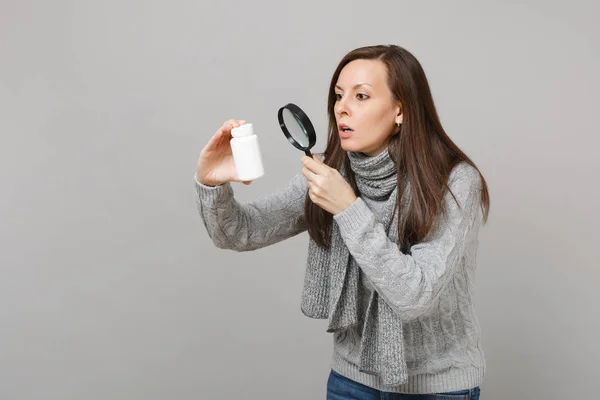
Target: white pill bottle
246, 153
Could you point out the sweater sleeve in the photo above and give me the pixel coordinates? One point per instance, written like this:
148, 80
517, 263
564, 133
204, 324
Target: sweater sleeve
252, 225
410, 283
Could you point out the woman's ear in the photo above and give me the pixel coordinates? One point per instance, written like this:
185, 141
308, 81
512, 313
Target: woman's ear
399, 115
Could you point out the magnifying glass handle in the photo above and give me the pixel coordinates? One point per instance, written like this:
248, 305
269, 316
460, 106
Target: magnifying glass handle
308, 153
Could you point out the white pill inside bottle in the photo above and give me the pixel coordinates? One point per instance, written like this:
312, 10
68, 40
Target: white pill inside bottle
246, 153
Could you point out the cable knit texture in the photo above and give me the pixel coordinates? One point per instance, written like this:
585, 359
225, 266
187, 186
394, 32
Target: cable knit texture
402, 322
332, 287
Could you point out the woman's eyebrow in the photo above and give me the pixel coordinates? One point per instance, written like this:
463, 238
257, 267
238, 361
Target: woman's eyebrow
355, 86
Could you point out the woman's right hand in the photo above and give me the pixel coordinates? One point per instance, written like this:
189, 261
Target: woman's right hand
215, 164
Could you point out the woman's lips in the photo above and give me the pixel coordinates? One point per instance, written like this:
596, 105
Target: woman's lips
345, 134
345, 131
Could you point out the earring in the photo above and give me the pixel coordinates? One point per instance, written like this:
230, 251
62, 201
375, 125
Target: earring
397, 123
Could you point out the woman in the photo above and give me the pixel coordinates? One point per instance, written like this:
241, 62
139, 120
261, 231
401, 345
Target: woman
392, 209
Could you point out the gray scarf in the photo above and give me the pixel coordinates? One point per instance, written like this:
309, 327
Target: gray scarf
332, 283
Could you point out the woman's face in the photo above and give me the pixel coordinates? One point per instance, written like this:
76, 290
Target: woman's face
365, 112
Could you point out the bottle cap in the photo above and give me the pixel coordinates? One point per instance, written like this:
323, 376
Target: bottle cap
244, 130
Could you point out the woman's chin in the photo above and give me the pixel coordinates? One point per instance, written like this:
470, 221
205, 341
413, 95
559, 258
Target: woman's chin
348, 145
371, 150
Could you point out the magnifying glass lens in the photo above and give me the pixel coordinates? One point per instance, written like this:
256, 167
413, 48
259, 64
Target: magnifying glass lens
294, 126
297, 128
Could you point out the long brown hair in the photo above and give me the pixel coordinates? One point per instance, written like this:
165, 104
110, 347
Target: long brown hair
422, 151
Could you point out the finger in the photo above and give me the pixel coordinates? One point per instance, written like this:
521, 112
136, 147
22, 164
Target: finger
227, 123
223, 137
315, 166
233, 122
237, 123
241, 181
308, 163
310, 176
223, 133
230, 124
314, 189
226, 127
317, 158
214, 140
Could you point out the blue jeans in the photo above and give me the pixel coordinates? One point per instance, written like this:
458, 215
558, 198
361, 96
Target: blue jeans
341, 388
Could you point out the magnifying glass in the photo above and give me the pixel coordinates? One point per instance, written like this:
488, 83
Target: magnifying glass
297, 128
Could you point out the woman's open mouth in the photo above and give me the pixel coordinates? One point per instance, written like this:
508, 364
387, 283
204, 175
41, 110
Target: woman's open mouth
345, 131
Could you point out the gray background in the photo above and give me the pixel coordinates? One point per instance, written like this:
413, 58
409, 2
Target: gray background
110, 287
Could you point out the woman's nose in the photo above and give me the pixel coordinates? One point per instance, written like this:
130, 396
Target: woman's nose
341, 108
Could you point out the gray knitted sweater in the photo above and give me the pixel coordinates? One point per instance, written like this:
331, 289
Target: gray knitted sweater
432, 294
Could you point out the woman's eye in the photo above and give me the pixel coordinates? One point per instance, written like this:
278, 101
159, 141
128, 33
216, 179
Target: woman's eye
362, 96
338, 96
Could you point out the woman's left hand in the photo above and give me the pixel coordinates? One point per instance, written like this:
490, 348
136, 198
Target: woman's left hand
327, 188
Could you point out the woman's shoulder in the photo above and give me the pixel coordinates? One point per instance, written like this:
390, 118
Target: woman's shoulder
464, 175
